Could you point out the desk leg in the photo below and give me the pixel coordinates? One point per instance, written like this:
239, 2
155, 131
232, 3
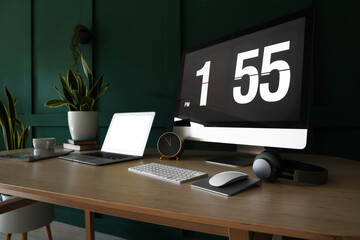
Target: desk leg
263, 236
89, 225
237, 234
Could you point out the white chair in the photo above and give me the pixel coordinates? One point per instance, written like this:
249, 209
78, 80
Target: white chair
23, 215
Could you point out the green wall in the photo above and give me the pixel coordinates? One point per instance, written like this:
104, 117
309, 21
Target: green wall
335, 116
137, 46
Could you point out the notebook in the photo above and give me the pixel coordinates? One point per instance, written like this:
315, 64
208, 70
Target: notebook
227, 190
125, 140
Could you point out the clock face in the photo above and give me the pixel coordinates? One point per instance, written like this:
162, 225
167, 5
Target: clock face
170, 145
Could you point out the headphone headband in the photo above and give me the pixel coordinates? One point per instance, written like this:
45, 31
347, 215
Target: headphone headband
303, 172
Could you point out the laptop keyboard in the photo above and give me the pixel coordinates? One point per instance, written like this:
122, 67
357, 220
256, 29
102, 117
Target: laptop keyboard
112, 156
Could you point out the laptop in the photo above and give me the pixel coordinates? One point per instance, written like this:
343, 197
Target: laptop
125, 140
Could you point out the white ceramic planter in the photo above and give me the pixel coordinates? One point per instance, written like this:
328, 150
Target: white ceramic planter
83, 125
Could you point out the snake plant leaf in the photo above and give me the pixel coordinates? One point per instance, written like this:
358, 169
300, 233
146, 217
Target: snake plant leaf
6, 126
16, 138
60, 94
65, 87
87, 72
24, 137
94, 91
54, 103
10, 124
84, 107
87, 104
82, 85
72, 80
11, 105
78, 97
19, 123
72, 107
102, 91
69, 95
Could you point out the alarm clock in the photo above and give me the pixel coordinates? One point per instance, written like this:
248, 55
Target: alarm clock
170, 145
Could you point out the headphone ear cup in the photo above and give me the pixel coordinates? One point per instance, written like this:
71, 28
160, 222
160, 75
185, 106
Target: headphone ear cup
267, 165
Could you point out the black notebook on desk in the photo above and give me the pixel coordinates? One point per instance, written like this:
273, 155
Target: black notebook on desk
227, 190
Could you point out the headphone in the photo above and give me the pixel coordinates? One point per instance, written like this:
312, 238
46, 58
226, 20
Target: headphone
269, 166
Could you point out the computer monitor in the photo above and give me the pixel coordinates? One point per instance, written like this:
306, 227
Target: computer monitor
250, 88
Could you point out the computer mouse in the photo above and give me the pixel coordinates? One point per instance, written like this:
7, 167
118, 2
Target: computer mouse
224, 178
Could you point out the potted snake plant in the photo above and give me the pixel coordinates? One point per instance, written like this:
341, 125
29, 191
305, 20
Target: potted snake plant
15, 133
80, 100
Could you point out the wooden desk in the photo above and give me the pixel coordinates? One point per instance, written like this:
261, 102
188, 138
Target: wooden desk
330, 211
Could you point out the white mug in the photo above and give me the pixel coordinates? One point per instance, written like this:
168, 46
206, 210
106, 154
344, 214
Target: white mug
44, 145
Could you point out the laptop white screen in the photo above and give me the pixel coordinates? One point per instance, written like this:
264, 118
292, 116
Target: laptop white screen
128, 133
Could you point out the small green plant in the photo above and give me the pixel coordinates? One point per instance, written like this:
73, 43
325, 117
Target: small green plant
76, 95
11, 124
78, 33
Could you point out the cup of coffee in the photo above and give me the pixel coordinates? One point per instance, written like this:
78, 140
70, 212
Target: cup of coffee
43, 146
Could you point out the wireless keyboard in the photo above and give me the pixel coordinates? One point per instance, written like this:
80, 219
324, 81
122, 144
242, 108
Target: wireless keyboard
167, 173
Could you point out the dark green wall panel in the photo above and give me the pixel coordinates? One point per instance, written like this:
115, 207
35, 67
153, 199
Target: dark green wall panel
51, 33
15, 65
136, 45
338, 38
335, 111
13, 58
14, 51
205, 20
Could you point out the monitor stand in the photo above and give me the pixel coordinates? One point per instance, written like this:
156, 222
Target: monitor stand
243, 157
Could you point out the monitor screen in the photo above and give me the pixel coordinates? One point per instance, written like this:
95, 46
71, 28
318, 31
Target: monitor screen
250, 88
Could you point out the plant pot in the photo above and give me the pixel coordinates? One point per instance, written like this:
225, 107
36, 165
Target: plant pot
84, 36
83, 125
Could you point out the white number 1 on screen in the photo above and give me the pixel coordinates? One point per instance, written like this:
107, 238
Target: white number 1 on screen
205, 72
